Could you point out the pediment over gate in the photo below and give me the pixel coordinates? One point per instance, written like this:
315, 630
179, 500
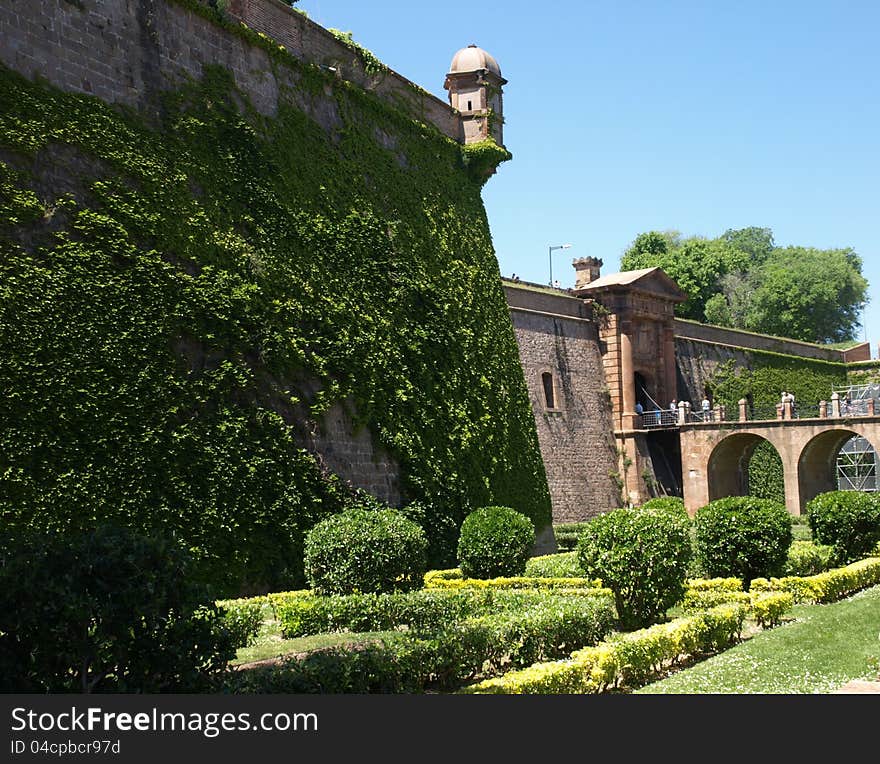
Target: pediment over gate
652, 281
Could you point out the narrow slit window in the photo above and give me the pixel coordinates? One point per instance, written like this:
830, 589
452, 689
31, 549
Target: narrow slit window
470, 108
549, 398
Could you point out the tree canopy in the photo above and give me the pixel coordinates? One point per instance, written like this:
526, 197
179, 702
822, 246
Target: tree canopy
743, 280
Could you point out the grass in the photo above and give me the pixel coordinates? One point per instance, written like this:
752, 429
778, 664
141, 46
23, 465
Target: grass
821, 649
270, 644
277, 648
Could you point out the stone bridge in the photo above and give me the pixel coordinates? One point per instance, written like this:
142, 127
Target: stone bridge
715, 456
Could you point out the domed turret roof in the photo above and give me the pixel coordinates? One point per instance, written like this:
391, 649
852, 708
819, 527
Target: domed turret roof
472, 59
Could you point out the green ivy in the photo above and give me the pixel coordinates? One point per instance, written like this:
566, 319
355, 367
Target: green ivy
863, 373
372, 65
174, 295
483, 157
767, 374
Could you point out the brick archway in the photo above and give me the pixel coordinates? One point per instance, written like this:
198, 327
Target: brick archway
714, 457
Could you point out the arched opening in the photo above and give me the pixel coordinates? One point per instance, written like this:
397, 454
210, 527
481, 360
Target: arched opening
727, 472
818, 462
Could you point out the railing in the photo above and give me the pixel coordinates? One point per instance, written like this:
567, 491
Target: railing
858, 392
761, 413
661, 418
652, 420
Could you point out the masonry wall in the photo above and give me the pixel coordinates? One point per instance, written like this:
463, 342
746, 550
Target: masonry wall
312, 42
718, 335
555, 334
697, 361
128, 51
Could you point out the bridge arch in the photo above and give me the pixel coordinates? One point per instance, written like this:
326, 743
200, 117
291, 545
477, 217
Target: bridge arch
817, 462
727, 469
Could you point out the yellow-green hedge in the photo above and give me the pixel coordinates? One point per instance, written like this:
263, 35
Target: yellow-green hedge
444, 580
625, 659
715, 584
825, 587
768, 607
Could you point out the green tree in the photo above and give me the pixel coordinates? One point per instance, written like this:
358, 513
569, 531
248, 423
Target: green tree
808, 294
743, 280
695, 264
756, 243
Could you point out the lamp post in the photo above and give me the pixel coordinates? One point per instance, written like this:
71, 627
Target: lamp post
560, 246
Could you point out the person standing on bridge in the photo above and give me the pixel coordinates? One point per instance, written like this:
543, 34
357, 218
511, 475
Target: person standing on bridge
707, 410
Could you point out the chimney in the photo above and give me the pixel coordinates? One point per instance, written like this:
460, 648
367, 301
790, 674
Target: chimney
586, 271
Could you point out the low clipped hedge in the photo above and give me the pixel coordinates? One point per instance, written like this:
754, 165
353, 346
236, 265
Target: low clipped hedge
365, 550
562, 565
829, 586
457, 653
848, 521
625, 659
768, 608
742, 536
515, 582
728, 584
424, 612
243, 618
704, 594
696, 600
495, 541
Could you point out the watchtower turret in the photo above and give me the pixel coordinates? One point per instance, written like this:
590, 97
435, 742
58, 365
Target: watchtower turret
475, 87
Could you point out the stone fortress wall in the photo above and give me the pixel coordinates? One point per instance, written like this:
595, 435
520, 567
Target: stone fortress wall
558, 337
589, 446
127, 52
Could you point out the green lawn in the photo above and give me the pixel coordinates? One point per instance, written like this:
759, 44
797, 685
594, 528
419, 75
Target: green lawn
270, 643
823, 648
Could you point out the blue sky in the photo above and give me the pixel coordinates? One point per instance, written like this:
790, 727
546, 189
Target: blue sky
630, 116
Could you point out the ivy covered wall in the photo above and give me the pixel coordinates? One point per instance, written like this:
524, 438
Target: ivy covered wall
183, 294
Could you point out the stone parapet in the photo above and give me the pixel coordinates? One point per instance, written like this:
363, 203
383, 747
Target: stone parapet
720, 335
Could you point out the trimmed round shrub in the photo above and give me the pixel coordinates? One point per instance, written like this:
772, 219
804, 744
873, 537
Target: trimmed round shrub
742, 536
642, 555
807, 559
848, 521
365, 551
495, 541
106, 610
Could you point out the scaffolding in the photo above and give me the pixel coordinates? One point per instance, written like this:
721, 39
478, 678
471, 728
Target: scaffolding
857, 466
857, 460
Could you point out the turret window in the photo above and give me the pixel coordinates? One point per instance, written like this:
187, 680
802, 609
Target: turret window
470, 107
